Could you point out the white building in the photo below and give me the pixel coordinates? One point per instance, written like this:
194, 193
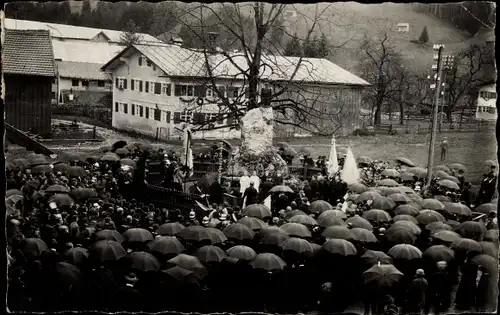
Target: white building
157, 88
487, 103
79, 52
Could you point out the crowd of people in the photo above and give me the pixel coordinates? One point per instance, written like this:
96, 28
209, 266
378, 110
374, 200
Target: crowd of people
83, 236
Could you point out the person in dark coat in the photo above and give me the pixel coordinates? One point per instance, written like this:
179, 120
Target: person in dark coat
487, 290
216, 193
416, 294
251, 194
127, 297
466, 294
264, 188
487, 189
439, 289
466, 196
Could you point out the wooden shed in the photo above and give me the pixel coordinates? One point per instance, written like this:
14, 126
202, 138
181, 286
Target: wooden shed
29, 68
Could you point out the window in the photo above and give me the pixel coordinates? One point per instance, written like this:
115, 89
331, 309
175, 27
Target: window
121, 83
177, 118
125, 108
85, 83
186, 116
75, 82
147, 112
54, 81
152, 88
53, 95
184, 90
210, 93
488, 95
100, 83
491, 110
166, 89
149, 63
233, 92
157, 114
198, 118
200, 91
135, 84
133, 110
141, 110
142, 61
167, 117
117, 107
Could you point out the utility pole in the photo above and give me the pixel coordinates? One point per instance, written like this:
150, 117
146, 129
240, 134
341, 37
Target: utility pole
447, 67
435, 108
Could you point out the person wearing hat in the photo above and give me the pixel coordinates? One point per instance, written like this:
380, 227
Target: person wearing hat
492, 221
416, 294
487, 190
439, 297
250, 195
127, 297
205, 221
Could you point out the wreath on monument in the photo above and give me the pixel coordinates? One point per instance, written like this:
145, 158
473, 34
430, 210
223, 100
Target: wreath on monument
190, 100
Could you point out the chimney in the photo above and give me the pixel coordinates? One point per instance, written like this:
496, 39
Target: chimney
212, 41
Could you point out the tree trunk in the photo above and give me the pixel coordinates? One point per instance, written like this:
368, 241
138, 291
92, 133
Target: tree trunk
378, 116
449, 115
401, 113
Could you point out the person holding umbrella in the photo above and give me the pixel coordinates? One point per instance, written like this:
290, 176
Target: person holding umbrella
416, 294
466, 294
439, 289
488, 185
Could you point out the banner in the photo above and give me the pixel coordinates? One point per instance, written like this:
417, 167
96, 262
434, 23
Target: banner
267, 202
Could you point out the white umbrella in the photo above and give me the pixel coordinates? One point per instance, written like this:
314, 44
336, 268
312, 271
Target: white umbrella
333, 164
350, 172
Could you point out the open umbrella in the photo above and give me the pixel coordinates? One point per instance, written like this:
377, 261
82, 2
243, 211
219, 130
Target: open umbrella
128, 162
142, 261
340, 247
34, 247
419, 172
491, 236
487, 262
352, 197
359, 222
386, 191
68, 156
267, 262
65, 275
303, 219
138, 235
443, 168
399, 198
257, 210
296, 229
467, 245
110, 235
12, 192
338, 232
446, 236
274, 239
76, 255
489, 248
216, 236
281, 189
357, 188
373, 257
439, 252
364, 160
21, 163
210, 254
400, 235
76, 171
428, 216
319, 206
62, 200
405, 252
442, 199
83, 193
405, 161
294, 213
448, 184
438, 226
13, 200
453, 179
331, 218
413, 227
387, 183
368, 195
486, 208
41, 169
432, 204
61, 167
457, 208
166, 245
39, 161
238, 231
170, 228
253, 223
122, 152
363, 235
183, 275
457, 167
194, 233
188, 262
297, 245
408, 177
382, 275
441, 174
471, 229
390, 172
107, 251
270, 230
241, 252
57, 189
383, 203
110, 157
376, 215
404, 217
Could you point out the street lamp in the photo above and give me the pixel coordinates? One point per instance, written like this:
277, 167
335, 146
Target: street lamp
438, 50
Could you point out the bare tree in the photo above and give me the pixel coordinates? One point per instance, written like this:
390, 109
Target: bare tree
251, 31
130, 36
383, 68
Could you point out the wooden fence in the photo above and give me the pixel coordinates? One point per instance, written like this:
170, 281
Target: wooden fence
99, 113
425, 127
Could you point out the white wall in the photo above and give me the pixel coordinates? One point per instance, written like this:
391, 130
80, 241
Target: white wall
65, 84
486, 108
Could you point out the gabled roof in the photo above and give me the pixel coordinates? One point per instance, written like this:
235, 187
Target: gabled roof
28, 52
71, 31
182, 62
85, 51
81, 70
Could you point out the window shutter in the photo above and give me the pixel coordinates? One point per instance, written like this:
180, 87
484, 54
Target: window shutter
157, 114
220, 120
230, 120
147, 112
168, 117
141, 110
199, 118
125, 108
200, 91
177, 118
140, 86
116, 107
117, 82
133, 109
169, 89
125, 83
177, 90
140, 60
157, 88
132, 84
147, 87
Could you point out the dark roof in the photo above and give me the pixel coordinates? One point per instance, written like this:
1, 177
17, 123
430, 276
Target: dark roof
28, 52
81, 70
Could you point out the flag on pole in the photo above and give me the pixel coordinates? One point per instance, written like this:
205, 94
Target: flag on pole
350, 172
333, 163
188, 150
267, 202
244, 202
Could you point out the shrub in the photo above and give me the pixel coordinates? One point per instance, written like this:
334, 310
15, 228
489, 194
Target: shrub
363, 132
424, 36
